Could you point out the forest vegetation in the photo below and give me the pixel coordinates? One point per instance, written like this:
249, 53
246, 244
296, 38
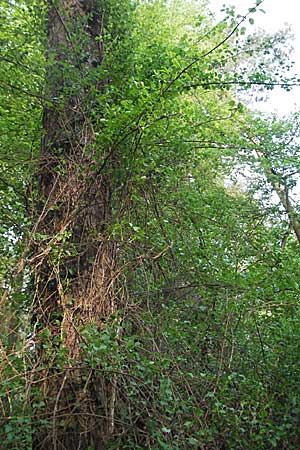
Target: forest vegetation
149, 229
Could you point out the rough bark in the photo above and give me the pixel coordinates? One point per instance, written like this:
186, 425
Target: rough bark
74, 260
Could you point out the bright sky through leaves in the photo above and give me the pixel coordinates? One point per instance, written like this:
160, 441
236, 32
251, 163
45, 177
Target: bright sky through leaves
278, 13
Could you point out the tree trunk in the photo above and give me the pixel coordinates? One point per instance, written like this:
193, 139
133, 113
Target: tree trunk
281, 189
74, 260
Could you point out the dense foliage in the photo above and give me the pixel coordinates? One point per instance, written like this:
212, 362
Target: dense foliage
203, 349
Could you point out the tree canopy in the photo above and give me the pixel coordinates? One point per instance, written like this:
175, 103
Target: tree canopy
149, 229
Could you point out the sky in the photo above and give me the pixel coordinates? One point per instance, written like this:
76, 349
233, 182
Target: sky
277, 14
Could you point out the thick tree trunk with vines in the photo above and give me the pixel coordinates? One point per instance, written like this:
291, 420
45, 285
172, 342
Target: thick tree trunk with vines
74, 261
